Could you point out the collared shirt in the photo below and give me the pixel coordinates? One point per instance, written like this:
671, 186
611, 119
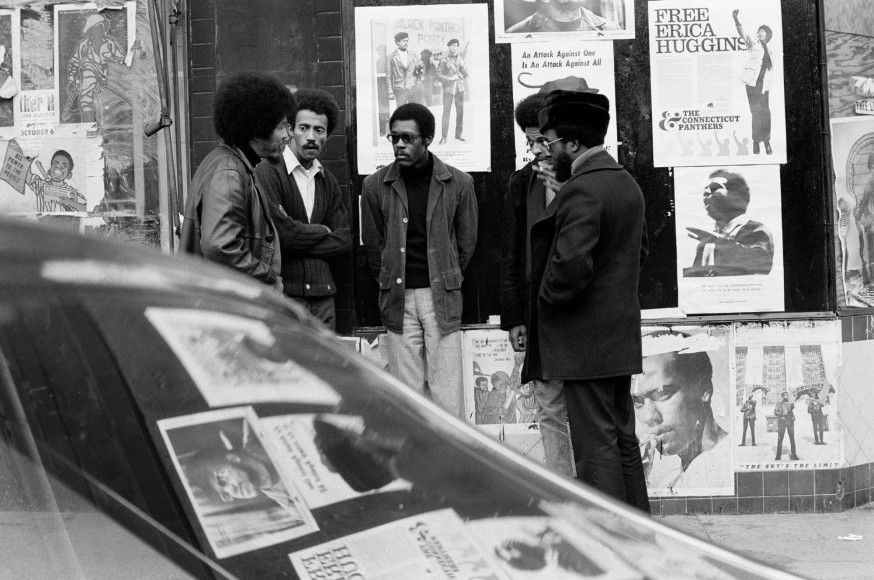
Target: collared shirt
708, 254
304, 178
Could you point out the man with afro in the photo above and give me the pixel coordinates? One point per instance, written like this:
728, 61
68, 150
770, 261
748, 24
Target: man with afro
227, 216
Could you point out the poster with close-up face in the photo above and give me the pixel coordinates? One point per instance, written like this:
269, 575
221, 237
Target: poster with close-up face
436, 57
539, 68
519, 21
786, 396
88, 43
729, 239
683, 412
241, 500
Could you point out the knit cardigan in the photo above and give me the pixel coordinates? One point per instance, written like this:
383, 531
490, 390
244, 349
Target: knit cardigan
306, 245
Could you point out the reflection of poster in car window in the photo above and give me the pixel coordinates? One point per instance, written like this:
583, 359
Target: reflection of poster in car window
302, 452
235, 360
430, 545
548, 549
234, 486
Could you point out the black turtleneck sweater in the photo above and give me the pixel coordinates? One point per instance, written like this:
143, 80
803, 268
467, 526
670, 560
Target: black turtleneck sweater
417, 181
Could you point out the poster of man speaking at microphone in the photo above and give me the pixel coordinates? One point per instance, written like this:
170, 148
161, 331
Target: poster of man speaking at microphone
717, 83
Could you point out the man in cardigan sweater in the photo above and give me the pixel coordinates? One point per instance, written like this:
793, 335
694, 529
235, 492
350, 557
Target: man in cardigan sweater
307, 206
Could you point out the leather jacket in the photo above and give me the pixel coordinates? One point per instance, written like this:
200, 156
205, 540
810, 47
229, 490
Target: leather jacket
227, 219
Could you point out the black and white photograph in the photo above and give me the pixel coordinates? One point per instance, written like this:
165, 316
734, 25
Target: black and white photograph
853, 158
542, 20
437, 56
233, 359
89, 42
717, 83
681, 403
786, 397
434, 544
549, 549
234, 486
10, 47
729, 239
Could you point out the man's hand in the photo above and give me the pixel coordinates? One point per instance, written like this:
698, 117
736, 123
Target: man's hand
546, 174
519, 338
734, 13
327, 228
702, 236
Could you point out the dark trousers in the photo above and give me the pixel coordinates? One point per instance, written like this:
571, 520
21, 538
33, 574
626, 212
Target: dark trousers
752, 424
818, 427
606, 449
784, 426
322, 307
761, 110
448, 99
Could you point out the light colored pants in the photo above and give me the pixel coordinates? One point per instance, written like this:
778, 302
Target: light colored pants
552, 422
421, 352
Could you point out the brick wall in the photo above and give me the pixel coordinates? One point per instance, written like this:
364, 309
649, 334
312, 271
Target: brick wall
303, 47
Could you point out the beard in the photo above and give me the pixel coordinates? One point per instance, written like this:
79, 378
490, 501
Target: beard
562, 164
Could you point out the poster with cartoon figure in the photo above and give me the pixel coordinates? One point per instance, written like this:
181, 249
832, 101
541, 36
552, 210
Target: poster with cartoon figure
88, 42
52, 175
10, 69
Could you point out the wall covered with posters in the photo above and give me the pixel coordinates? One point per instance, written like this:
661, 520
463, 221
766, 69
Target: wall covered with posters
704, 99
78, 85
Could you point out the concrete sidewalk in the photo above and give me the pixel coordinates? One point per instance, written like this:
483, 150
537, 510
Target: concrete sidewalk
803, 544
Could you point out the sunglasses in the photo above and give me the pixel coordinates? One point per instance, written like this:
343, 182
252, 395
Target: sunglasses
407, 138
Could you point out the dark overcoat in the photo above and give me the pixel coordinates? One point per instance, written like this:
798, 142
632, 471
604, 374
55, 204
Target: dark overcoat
587, 249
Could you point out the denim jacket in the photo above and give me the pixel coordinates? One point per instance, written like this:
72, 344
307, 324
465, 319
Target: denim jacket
451, 230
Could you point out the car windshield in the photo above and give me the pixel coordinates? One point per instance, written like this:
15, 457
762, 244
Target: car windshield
232, 438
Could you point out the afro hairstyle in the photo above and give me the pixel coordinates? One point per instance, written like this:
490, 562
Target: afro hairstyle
415, 112
249, 106
526, 111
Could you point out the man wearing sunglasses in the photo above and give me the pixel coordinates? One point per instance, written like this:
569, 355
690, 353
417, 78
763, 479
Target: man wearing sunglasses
527, 197
584, 328
419, 224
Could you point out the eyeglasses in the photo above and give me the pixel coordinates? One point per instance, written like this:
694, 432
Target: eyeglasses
548, 145
542, 142
407, 138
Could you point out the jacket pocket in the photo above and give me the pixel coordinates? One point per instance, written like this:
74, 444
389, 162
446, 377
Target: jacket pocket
384, 299
452, 298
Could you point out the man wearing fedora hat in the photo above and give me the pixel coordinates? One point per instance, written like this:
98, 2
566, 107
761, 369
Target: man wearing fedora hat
584, 327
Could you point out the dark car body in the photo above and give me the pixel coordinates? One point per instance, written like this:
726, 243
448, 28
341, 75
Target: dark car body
120, 366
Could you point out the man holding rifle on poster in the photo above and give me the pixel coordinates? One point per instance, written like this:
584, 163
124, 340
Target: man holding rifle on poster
452, 71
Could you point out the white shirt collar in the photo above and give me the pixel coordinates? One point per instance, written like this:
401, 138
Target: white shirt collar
734, 224
292, 162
